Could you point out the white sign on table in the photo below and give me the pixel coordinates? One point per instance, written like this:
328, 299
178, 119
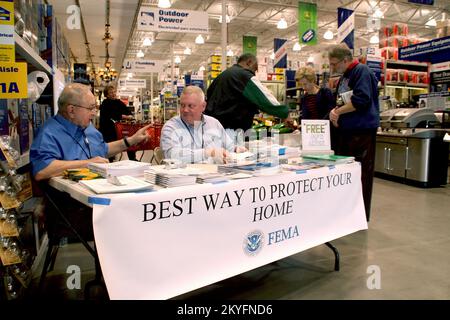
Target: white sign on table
316, 135
158, 245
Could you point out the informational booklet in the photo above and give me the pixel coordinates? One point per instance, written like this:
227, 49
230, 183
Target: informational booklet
329, 157
120, 168
127, 184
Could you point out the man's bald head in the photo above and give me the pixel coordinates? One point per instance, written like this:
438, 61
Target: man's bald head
73, 93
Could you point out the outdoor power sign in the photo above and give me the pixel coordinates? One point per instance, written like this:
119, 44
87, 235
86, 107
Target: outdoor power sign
172, 20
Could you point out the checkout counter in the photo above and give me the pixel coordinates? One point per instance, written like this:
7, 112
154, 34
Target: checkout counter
410, 147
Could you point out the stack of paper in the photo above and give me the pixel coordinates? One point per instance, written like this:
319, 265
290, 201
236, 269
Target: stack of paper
120, 168
128, 184
329, 158
173, 177
255, 169
301, 166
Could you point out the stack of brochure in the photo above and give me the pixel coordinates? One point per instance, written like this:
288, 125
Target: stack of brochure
255, 169
120, 168
123, 184
301, 166
221, 177
172, 177
328, 158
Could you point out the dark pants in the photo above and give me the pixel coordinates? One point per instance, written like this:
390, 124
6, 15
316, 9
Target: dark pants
361, 145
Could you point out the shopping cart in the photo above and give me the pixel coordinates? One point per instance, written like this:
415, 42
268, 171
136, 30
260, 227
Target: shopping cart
127, 129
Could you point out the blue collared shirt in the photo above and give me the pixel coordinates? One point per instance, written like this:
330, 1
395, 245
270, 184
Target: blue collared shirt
60, 139
187, 143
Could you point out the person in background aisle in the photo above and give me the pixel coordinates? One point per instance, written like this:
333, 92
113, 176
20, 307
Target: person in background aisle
69, 140
356, 120
316, 102
235, 96
193, 137
112, 110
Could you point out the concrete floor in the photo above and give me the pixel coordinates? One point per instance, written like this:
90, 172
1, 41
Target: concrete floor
408, 242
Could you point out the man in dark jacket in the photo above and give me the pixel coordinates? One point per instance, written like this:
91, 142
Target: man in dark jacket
356, 120
236, 95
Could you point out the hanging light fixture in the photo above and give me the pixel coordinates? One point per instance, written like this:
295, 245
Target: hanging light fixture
230, 53
199, 39
164, 4
310, 59
272, 56
296, 47
431, 23
187, 51
374, 39
328, 35
147, 42
227, 19
282, 24
177, 60
202, 68
140, 54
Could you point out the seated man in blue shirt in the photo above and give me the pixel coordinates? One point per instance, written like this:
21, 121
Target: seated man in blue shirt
69, 140
194, 137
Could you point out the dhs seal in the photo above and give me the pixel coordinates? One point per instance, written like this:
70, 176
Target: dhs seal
253, 242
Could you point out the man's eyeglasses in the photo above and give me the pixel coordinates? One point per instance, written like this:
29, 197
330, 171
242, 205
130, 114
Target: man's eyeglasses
335, 63
92, 108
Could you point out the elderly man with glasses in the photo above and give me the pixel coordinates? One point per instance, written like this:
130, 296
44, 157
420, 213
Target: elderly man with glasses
69, 140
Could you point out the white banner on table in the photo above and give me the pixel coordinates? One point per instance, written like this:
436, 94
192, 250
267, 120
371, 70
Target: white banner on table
158, 245
172, 20
316, 135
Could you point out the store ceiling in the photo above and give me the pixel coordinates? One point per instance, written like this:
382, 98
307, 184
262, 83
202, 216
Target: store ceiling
248, 17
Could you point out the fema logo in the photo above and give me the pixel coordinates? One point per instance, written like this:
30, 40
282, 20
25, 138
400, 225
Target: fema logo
253, 242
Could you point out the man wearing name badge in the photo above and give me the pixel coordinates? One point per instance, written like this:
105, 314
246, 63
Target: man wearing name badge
69, 140
357, 118
193, 137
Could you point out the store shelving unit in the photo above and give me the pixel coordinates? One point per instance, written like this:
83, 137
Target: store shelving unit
404, 90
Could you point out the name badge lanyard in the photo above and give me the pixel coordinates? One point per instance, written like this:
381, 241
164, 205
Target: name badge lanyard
192, 136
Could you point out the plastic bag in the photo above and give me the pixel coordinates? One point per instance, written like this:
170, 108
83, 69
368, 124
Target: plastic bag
37, 81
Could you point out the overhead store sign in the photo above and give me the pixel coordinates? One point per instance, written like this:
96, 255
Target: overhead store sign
143, 65
126, 93
249, 44
133, 83
307, 23
7, 44
280, 50
434, 51
346, 27
172, 20
13, 80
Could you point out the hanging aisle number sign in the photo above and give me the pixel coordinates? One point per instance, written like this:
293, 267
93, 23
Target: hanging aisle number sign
13, 80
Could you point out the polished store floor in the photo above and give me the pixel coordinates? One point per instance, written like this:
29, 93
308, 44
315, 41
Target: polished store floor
403, 255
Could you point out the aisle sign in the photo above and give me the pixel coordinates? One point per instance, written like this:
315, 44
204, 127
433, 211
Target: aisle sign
316, 135
133, 83
13, 80
7, 44
139, 65
172, 20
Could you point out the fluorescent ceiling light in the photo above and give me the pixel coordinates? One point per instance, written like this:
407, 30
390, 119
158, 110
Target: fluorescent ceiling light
140, 54
282, 24
328, 35
378, 13
147, 42
297, 47
199, 39
177, 59
374, 39
187, 51
164, 4
431, 23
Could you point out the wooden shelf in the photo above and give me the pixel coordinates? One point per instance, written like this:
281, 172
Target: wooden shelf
31, 56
